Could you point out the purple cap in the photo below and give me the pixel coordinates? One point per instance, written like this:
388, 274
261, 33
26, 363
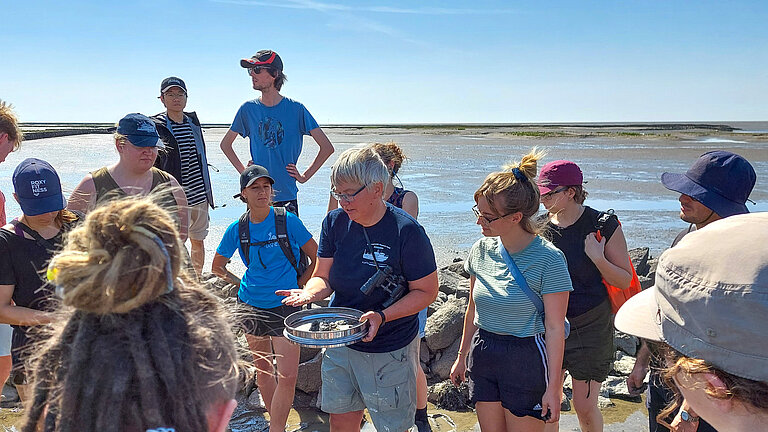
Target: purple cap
559, 173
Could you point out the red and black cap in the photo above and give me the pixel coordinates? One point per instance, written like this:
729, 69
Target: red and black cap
263, 58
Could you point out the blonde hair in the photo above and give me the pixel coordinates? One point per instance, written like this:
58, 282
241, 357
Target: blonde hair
514, 190
359, 165
138, 333
9, 124
390, 152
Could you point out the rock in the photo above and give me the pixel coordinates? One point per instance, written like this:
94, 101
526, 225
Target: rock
304, 400
449, 397
645, 282
255, 400
424, 353
308, 354
448, 281
442, 367
623, 365
439, 300
248, 416
458, 268
652, 263
445, 325
10, 397
639, 258
617, 387
625, 343
309, 378
604, 402
219, 286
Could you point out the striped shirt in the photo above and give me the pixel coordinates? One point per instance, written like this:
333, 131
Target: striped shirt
191, 176
501, 306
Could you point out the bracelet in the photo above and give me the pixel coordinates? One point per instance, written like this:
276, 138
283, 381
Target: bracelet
383, 317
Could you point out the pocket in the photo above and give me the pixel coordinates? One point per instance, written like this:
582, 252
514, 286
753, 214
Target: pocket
394, 378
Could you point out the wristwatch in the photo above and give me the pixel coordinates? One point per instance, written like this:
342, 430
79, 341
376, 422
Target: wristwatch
687, 417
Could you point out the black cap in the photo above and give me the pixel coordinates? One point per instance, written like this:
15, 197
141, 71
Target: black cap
250, 175
263, 58
172, 82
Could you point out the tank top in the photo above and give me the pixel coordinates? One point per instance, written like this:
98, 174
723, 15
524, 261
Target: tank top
396, 199
107, 188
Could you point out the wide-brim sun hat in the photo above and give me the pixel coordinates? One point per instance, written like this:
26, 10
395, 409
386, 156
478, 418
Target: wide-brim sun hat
38, 187
710, 297
720, 180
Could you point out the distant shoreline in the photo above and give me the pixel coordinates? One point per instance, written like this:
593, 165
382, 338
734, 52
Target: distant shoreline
33, 131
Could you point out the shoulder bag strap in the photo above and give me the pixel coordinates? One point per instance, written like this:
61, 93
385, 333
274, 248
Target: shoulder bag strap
370, 248
38, 238
520, 279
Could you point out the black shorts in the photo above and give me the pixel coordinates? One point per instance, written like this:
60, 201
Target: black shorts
510, 370
291, 205
589, 350
264, 322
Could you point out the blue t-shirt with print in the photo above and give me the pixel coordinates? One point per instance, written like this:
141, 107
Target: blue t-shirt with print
276, 134
398, 241
269, 269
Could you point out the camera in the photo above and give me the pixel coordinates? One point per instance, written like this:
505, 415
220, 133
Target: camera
384, 278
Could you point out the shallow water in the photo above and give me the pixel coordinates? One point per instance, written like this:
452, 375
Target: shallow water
445, 170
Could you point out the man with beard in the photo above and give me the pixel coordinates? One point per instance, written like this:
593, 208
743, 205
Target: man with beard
715, 187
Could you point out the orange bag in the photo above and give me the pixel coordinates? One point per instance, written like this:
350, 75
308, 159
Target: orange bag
616, 295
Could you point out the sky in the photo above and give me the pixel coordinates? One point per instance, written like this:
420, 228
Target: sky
384, 62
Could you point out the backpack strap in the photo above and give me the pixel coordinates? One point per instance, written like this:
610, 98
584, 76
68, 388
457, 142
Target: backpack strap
244, 233
602, 219
281, 230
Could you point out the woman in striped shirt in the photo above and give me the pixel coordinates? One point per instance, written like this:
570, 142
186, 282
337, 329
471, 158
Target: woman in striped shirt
510, 353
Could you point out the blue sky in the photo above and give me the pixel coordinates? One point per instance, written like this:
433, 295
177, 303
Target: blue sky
394, 61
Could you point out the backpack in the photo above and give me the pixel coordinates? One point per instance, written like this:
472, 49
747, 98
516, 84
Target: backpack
616, 295
281, 232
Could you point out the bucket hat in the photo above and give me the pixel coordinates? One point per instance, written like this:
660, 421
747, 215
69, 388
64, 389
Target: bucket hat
719, 179
37, 187
710, 297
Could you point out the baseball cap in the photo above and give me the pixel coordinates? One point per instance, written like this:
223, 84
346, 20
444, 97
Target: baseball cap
250, 175
719, 179
140, 130
559, 173
37, 187
710, 298
263, 58
172, 82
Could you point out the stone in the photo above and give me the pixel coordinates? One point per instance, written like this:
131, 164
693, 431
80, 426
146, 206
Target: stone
604, 402
645, 282
458, 268
445, 325
626, 343
652, 263
439, 300
424, 354
448, 281
307, 354
639, 258
447, 396
309, 378
623, 365
442, 367
304, 400
616, 387
249, 415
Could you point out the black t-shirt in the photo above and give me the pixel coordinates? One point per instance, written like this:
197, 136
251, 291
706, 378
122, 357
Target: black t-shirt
398, 241
23, 263
588, 289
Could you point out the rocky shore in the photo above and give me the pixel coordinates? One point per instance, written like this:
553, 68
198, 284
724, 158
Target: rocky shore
439, 352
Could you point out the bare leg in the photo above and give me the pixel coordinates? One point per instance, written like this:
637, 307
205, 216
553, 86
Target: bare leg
198, 255
261, 348
346, 422
590, 417
421, 388
287, 354
523, 424
490, 415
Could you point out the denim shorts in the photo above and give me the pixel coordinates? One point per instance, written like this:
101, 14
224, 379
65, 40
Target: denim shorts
385, 383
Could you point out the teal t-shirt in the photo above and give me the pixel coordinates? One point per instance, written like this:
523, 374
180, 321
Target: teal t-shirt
501, 306
273, 271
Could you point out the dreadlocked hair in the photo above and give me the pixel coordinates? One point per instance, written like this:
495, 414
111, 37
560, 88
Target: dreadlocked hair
130, 352
514, 190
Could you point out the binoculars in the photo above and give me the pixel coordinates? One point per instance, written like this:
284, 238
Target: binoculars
384, 278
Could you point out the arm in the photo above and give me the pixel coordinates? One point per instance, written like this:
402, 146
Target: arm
310, 249
219, 268
326, 150
611, 259
83, 196
637, 376
229, 152
182, 208
17, 315
421, 293
555, 305
317, 288
459, 369
411, 204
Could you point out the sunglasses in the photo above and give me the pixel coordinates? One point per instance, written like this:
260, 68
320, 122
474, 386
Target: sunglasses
256, 70
346, 197
552, 193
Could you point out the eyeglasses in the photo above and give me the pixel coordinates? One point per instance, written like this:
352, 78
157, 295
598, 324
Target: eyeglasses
552, 193
180, 95
347, 197
479, 215
256, 70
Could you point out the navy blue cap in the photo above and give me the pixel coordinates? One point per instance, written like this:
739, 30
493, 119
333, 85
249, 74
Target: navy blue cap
263, 58
37, 187
140, 130
720, 180
251, 174
172, 82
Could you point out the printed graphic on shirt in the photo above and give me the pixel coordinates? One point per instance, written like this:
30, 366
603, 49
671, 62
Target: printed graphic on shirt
271, 132
381, 252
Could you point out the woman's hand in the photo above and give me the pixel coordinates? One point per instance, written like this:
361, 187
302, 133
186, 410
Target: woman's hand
459, 370
294, 172
551, 402
594, 249
295, 297
374, 323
